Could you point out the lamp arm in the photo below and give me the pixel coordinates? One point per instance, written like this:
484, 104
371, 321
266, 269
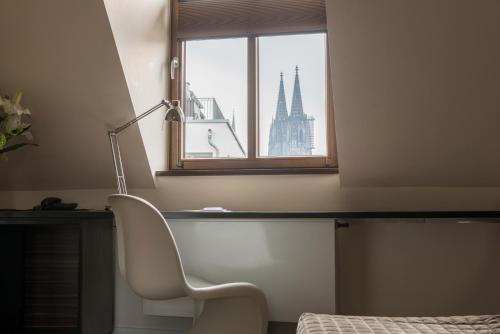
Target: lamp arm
115, 146
117, 161
141, 116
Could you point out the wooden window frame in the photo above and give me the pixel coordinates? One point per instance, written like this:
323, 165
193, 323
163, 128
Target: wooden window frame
253, 163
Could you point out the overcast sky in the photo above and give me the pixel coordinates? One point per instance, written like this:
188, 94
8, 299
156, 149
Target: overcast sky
218, 68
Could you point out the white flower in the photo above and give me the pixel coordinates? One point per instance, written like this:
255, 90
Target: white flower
13, 123
27, 135
14, 109
8, 107
12, 115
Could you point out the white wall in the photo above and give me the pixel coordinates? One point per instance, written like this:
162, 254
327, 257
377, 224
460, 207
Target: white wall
263, 252
141, 31
223, 138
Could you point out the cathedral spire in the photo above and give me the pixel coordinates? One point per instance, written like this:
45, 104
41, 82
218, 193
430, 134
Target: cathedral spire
281, 110
297, 96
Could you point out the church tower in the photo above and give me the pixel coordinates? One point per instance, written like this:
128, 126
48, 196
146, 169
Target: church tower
297, 110
299, 124
279, 132
291, 134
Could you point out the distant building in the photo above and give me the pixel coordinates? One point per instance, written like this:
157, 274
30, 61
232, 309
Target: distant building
208, 133
291, 134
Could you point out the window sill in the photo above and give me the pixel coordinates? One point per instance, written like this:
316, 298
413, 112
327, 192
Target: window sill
250, 171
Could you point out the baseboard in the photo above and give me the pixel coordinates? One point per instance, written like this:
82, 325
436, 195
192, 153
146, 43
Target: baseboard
128, 330
274, 328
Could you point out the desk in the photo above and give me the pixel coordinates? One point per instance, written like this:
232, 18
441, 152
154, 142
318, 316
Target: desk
57, 272
283, 252
490, 216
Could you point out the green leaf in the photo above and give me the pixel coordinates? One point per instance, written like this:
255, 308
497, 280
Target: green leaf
17, 98
15, 147
3, 140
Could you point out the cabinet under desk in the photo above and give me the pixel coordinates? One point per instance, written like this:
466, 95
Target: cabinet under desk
57, 272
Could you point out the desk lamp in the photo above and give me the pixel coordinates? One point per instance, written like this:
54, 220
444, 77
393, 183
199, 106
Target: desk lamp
174, 113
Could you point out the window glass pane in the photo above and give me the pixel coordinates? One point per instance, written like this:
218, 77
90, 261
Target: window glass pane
215, 99
292, 95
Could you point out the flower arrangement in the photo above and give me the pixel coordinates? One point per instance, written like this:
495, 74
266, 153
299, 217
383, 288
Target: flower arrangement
14, 124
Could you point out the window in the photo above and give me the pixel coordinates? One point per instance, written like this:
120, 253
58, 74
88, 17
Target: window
292, 95
253, 81
215, 98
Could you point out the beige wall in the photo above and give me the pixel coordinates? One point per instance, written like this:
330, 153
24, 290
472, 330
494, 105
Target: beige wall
410, 268
414, 99
64, 59
416, 87
416, 104
277, 193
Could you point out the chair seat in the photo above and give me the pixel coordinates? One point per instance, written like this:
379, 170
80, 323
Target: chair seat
197, 282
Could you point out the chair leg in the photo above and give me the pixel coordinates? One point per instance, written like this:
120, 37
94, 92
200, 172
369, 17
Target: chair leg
198, 309
237, 315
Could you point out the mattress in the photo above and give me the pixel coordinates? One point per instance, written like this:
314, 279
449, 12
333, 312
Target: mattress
310, 323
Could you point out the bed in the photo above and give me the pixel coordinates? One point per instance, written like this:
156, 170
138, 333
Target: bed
310, 323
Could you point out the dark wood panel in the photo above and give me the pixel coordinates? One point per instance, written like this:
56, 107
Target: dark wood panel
51, 276
49, 261
97, 279
48, 331
11, 278
26, 217
247, 171
74, 217
221, 18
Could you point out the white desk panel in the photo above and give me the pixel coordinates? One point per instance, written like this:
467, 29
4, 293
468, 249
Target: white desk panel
292, 261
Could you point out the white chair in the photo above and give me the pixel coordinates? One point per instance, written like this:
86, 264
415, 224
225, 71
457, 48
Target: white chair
150, 263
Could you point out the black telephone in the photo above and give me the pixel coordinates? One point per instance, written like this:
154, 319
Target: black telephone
55, 203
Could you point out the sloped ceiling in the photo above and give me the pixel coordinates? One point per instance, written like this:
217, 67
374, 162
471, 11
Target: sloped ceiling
416, 89
61, 54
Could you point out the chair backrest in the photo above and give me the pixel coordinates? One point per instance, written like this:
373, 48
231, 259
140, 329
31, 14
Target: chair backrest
147, 253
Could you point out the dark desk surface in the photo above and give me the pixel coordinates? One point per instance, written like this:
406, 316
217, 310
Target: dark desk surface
334, 215
23, 215
30, 216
